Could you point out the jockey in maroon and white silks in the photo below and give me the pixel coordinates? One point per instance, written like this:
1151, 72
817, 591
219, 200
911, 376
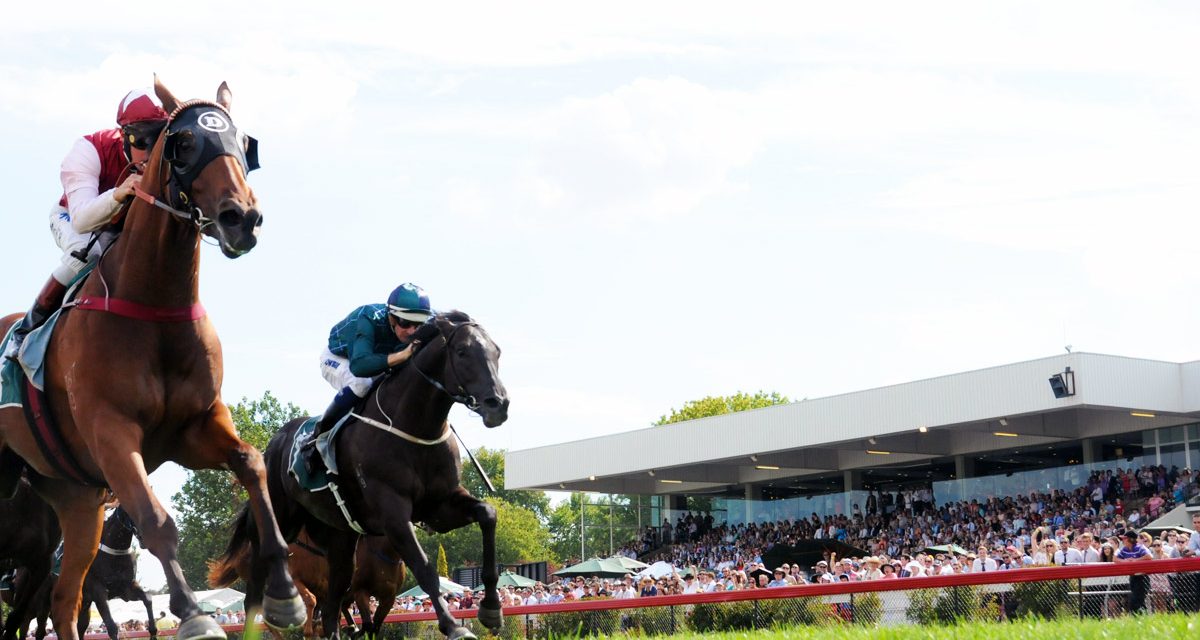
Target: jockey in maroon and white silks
98, 175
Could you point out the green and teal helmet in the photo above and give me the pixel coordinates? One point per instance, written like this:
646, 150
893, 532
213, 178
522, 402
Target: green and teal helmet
409, 302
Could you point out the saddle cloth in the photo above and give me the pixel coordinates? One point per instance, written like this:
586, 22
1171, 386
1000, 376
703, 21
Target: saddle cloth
319, 480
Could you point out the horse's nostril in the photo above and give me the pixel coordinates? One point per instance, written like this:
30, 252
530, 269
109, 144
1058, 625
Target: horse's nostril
230, 217
493, 403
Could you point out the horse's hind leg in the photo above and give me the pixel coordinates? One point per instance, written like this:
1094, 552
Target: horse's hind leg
80, 513
459, 510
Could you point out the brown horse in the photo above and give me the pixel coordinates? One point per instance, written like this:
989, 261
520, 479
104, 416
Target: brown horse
378, 573
397, 465
133, 374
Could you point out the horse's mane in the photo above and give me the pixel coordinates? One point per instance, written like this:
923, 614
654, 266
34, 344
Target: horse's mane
431, 330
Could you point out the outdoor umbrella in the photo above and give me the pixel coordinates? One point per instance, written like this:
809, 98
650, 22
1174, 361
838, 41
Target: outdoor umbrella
446, 586
606, 568
224, 599
946, 548
809, 552
510, 579
629, 563
660, 569
1155, 530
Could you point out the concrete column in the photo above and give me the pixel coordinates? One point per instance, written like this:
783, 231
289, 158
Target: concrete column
964, 467
1089, 450
851, 481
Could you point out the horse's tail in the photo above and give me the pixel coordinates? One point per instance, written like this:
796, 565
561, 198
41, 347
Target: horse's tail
231, 565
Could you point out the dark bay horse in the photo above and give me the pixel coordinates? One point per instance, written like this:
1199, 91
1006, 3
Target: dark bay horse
397, 465
29, 533
113, 574
39, 607
133, 373
378, 573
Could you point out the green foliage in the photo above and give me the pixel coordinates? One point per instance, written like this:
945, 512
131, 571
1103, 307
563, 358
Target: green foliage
574, 624
720, 405
1045, 599
868, 608
209, 500
564, 525
952, 605
520, 537
761, 614
443, 569
492, 461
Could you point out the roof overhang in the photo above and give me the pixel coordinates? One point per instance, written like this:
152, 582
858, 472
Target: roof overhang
961, 414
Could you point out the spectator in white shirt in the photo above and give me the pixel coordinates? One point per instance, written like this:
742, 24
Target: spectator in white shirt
983, 562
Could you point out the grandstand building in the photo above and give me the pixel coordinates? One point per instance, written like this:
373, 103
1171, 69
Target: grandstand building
1030, 426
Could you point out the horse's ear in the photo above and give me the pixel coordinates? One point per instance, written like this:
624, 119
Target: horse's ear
168, 99
225, 96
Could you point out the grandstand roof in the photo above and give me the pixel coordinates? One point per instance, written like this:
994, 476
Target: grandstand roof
961, 413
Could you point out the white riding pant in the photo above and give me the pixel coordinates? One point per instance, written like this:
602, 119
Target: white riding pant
336, 371
69, 241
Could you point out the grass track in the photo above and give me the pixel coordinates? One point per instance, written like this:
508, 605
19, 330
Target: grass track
1156, 627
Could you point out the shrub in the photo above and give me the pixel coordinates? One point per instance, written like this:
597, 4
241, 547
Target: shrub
868, 608
1046, 599
575, 624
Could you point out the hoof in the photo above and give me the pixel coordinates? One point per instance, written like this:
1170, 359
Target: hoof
460, 633
200, 627
491, 618
283, 615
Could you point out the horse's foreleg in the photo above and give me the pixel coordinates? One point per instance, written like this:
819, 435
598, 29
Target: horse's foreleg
138, 593
460, 510
282, 606
396, 512
110, 625
121, 461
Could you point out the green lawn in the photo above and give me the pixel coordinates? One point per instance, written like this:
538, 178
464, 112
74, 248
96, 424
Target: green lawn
1158, 627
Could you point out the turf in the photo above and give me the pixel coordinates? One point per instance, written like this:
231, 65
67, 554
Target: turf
1164, 627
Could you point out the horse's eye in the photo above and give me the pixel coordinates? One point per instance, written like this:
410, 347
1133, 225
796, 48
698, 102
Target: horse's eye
461, 352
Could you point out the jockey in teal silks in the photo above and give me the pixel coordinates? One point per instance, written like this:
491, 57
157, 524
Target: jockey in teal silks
368, 342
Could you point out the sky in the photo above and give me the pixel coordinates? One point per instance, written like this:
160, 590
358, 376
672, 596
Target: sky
648, 203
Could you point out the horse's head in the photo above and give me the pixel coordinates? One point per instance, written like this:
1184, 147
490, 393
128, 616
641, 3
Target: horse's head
470, 365
119, 530
206, 161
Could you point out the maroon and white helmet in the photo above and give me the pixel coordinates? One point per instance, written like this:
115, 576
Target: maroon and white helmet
140, 105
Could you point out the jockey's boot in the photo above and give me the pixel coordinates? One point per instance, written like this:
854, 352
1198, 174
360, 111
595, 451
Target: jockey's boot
342, 403
48, 301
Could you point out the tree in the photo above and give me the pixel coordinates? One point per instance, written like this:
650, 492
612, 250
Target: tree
492, 461
443, 569
209, 500
720, 405
520, 537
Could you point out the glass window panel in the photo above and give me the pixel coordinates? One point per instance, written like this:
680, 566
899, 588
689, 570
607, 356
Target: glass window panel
1171, 434
1148, 438
1172, 455
1193, 431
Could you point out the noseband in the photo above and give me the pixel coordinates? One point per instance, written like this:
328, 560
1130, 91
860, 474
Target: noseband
213, 135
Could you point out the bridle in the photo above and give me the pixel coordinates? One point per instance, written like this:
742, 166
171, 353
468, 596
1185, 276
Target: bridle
214, 135
463, 397
126, 523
